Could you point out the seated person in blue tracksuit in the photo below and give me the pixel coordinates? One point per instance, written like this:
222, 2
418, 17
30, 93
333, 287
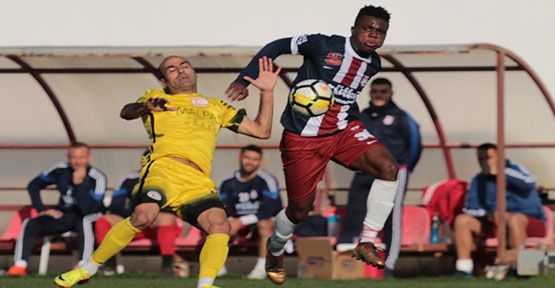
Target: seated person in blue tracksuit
81, 189
524, 217
252, 198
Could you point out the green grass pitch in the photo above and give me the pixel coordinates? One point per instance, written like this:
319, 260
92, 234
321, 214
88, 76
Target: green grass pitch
142, 281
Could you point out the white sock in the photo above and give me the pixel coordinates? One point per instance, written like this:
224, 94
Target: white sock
260, 263
283, 231
205, 281
379, 204
21, 263
464, 265
81, 263
90, 267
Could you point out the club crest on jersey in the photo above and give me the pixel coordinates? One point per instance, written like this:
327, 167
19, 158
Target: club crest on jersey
154, 195
200, 102
388, 120
334, 58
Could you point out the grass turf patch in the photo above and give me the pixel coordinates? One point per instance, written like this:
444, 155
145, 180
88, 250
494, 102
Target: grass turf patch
142, 281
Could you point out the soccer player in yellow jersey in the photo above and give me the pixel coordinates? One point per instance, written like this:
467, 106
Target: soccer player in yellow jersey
183, 126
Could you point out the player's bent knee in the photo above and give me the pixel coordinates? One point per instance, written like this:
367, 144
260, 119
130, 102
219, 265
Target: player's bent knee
297, 211
462, 221
297, 215
144, 215
516, 221
219, 227
265, 227
140, 221
388, 171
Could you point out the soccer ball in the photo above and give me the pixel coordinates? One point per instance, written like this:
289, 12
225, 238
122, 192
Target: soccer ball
311, 97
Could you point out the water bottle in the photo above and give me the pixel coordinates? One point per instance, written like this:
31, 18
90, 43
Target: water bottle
332, 225
434, 237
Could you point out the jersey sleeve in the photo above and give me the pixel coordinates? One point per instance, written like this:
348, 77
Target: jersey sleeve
519, 179
231, 116
143, 98
271, 199
411, 132
150, 93
307, 45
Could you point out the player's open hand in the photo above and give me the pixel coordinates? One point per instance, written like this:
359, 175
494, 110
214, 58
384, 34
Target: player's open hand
267, 77
236, 91
158, 104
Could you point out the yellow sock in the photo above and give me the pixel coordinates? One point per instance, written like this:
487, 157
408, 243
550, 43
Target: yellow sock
117, 238
213, 255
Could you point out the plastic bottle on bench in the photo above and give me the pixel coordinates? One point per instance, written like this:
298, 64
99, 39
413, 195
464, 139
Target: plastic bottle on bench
434, 235
333, 225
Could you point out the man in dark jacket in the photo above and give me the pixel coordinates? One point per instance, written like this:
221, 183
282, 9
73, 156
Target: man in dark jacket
82, 189
396, 129
524, 217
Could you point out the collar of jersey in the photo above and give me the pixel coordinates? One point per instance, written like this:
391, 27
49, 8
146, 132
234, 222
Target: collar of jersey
350, 50
188, 94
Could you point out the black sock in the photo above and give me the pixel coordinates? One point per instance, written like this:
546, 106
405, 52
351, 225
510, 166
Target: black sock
167, 260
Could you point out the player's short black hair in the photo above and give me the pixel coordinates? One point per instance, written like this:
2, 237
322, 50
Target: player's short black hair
253, 148
374, 11
382, 81
77, 144
486, 146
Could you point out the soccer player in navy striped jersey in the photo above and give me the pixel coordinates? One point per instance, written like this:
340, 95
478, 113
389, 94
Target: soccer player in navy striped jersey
309, 143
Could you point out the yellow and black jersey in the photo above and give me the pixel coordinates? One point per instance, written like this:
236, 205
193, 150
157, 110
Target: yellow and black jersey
191, 131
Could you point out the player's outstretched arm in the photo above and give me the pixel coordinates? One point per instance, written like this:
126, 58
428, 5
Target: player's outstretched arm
261, 127
135, 110
237, 90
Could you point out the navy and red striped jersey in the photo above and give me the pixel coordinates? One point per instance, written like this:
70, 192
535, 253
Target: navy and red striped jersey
328, 58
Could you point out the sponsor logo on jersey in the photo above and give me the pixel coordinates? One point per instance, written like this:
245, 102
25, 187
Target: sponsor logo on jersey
334, 58
200, 102
244, 197
254, 194
388, 120
67, 198
344, 95
154, 195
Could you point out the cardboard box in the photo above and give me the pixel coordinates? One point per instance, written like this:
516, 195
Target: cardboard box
317, 259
